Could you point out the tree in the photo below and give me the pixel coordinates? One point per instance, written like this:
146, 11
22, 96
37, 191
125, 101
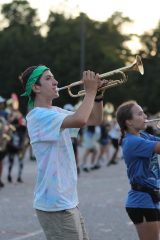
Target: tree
151, 84
20, 44
19, 12
104, 47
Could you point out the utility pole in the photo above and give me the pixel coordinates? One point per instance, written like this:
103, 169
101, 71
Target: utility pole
82, 43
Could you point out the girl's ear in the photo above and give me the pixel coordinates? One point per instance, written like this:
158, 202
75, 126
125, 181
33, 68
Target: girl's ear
128, 123
36, 88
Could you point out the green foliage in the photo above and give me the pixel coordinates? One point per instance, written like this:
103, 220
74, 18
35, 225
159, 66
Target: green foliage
20, 12
73, 44
151, 82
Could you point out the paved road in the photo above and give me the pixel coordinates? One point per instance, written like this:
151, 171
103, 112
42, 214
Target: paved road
101, 192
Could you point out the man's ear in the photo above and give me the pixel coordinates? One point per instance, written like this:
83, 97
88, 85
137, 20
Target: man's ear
36, 88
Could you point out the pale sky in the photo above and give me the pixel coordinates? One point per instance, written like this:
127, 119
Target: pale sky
145, 14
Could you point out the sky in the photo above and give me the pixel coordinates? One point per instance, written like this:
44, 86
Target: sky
145, 14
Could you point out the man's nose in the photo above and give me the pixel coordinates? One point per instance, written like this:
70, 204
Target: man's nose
54, 82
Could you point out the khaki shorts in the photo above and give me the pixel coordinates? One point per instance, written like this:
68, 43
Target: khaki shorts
67, 224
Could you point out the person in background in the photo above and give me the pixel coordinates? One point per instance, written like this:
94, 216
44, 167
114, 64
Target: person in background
50, 129
104, 142
69, 107
89, 142
17, 145
16, 148
114, 135
3, 141
140, 150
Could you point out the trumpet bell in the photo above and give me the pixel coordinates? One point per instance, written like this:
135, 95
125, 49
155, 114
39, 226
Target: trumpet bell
137, 66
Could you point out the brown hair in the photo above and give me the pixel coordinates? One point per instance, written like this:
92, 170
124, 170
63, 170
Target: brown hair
123, 113
24, 78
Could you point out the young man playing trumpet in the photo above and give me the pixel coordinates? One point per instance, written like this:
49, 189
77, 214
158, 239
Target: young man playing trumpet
50, 130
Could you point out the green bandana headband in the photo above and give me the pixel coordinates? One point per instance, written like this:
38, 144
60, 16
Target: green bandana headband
31, 81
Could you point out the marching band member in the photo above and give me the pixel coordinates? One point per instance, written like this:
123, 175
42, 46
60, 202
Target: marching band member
3, 123
140, 151
50, 130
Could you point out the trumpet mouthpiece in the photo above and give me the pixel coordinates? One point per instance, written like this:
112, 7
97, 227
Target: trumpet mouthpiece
146, 121
152, 120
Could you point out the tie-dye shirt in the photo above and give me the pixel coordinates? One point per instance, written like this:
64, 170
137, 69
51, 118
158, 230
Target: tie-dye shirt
56, 185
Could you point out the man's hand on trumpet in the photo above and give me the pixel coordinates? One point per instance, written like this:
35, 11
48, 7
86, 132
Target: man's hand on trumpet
91, 82
101, 90
103, 83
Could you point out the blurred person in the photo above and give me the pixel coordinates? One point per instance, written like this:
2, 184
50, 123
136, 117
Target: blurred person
3, 112
89, 143
70, 107
140, 150
3, 122
50, 130
31, 155
104, 143
16, 147
114, 135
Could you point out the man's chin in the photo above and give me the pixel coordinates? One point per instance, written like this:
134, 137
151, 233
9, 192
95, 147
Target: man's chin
56, 95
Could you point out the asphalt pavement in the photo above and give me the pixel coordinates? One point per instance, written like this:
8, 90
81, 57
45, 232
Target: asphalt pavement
102, 195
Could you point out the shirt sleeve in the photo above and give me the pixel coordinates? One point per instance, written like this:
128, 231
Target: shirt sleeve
155, 138
149, 136
45, 125
73, 131
143, 147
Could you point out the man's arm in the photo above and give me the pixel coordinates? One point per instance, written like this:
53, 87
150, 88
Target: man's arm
96, 116
81, 116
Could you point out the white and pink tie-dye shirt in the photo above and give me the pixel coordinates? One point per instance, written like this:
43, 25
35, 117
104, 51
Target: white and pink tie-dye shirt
56, 185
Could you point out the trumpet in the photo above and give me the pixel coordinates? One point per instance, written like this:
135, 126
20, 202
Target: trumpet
137, 66
154, 120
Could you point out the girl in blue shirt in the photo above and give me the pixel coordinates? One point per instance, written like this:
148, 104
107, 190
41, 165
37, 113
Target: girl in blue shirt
140, 151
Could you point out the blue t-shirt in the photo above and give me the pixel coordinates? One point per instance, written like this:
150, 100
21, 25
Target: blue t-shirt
142, 167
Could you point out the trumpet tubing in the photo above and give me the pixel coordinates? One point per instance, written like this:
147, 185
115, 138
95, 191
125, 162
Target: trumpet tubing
154, 120
137, 66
